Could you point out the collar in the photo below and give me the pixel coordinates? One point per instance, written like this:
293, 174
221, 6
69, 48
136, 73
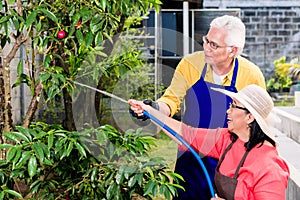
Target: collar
227, 79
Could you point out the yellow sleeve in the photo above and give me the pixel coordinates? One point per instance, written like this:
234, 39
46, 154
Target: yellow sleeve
187, 73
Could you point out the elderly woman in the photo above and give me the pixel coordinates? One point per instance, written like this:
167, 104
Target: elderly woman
249, 165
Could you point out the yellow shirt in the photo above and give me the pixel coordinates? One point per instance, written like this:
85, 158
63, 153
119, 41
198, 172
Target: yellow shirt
189, 70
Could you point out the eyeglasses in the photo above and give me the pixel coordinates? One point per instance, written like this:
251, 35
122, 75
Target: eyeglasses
232, 105
212, 44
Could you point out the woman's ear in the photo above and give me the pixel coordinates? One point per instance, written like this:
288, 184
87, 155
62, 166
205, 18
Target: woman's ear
250, 118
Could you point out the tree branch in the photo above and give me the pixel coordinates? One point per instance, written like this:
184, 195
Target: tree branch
38, 89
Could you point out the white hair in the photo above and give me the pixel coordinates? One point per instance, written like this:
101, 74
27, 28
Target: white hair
235, 28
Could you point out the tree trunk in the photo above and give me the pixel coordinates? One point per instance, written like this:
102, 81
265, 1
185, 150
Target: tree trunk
68, 122
5, 107
99, 108
19, 40
2, 111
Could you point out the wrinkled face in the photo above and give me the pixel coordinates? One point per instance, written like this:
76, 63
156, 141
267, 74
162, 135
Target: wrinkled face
215, 38
238, 118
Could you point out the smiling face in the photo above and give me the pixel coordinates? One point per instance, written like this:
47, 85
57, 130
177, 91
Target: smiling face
238, 120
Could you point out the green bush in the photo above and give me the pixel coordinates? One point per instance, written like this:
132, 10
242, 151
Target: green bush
46, 162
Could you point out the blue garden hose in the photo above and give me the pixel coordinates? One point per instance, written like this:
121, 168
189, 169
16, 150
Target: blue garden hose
185, 144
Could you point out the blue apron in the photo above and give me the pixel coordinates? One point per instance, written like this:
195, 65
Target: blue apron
204, 108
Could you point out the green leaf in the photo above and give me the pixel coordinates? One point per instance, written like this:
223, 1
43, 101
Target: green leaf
111, 150
20, 136
16, 23
172, 189
39, 26
59, 145
108, 37
155, 190
11, 153
2, 193
5, 19
12, 137
45, 149
45, 77
70, 148
80, 149
50, 140
129, 171
14, 193
89, 38
98, 39
140, 179
36, 41
38, 150
64, 151
149, 186
94, 174
34, 187
103, 4
111, 191
132, 181
79, 36
32, 166
50, 15
17, 154
25, 156
31, 18
5, 146
120, 175
16, 173
96, 27
40, 135
48, 162
25, 131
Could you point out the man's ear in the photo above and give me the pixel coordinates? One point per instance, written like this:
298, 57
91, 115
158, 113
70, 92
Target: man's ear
232, 50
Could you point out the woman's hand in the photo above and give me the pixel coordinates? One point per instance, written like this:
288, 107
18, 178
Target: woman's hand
138, 107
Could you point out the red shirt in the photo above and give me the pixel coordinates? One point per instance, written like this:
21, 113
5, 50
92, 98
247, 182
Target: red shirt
264, 174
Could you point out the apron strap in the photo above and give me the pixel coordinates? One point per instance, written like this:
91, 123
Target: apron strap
235, 70
240, 165
223, 155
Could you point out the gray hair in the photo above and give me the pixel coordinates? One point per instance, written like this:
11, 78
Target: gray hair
235, 29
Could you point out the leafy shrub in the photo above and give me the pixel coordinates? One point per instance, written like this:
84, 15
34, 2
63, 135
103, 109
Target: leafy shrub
286, 74
47, 162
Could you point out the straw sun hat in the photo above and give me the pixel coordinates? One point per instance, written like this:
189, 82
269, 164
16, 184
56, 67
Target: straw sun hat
257, 101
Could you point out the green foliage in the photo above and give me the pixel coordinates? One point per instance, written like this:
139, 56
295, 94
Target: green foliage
96, 163
90, 25
282, 79
139, 81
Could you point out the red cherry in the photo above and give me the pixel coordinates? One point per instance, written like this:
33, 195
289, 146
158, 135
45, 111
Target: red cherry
52, 63
61, 34
67, 197
78, 25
